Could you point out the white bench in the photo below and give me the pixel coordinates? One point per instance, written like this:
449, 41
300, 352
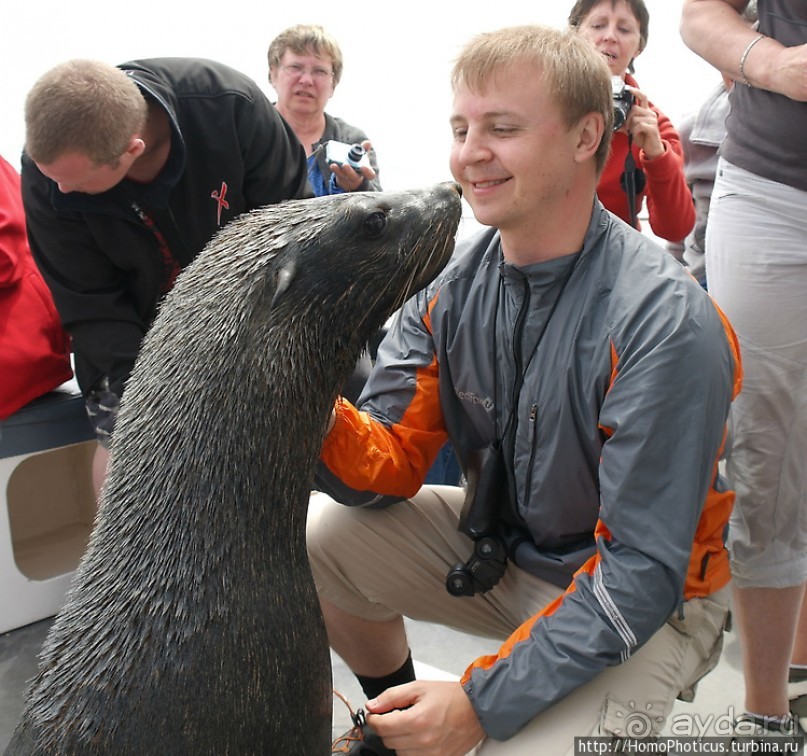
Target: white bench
48, 504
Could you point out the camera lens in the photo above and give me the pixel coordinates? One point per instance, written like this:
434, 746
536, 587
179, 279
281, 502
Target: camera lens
620, 116
623, 101
355, 153
459, 581
486, 548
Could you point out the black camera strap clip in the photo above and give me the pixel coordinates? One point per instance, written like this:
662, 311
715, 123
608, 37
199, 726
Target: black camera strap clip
486, 484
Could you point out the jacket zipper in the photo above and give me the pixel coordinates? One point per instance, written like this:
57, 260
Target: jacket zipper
510, 442
533, 449
518, 332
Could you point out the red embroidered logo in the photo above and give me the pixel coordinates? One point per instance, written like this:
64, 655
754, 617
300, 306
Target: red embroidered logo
221, 202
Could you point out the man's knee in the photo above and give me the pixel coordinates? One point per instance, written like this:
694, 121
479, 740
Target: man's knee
322, 527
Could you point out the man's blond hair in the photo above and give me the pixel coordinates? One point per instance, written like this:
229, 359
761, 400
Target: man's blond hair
576, 76
83, 106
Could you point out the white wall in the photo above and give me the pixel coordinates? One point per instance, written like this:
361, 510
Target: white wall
397, 57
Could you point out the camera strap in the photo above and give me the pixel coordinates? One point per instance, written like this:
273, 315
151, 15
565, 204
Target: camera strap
520, 377
508, 435
632, 181
490, 478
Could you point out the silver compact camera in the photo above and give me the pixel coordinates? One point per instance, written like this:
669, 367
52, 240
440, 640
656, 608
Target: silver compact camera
623, 101
342, 153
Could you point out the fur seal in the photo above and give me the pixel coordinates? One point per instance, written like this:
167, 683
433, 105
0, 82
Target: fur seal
192, 625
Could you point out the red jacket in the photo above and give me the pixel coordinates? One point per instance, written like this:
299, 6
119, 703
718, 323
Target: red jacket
669, 200
34, 349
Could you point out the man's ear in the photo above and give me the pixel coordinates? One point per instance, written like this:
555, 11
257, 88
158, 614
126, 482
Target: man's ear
590, 130
136, 147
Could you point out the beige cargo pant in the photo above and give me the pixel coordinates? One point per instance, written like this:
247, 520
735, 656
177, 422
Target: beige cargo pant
381, 563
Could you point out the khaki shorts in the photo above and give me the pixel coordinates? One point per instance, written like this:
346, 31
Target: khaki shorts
381, 563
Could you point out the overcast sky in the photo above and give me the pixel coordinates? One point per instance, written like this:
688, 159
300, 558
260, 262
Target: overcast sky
397, 58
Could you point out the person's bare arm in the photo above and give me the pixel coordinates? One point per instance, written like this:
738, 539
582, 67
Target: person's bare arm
716, 30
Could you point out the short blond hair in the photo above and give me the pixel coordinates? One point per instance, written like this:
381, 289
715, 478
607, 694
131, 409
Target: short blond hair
576, 76
305, 39
83, 106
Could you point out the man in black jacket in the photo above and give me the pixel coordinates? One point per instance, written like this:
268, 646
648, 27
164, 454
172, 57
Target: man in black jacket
128, 172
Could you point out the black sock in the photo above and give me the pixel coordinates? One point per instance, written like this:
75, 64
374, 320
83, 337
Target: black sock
374, 686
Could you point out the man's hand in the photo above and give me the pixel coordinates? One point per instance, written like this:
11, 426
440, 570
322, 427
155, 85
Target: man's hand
425, 718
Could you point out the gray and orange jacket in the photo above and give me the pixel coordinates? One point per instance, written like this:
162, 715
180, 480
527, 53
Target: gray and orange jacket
619, 427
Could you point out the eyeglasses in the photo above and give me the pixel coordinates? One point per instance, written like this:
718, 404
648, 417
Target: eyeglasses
295, 70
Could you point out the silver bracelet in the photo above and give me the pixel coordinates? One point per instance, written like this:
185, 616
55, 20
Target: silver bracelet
744, 56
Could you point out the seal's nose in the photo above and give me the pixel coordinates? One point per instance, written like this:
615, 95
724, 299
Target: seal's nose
452, 186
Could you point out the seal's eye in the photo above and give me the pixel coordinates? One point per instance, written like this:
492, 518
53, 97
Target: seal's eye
375, 223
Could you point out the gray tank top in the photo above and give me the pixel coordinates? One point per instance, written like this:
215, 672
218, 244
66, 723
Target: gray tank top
767, 132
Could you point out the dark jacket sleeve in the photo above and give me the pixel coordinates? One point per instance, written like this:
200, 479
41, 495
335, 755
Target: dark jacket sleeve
89, 290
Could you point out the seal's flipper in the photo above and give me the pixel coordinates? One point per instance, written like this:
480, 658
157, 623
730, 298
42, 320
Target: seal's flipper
284, 279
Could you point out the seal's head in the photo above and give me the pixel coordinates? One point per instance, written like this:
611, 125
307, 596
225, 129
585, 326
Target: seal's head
299, 288
275, 312
381, 248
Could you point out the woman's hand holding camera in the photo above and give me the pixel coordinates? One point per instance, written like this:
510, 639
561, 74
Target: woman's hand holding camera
642, 125
349, 179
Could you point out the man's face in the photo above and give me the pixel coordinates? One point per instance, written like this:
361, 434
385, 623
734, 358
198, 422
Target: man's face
512, 154
75, 172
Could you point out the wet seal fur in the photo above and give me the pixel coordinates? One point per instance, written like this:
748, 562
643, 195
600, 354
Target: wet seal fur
192, 626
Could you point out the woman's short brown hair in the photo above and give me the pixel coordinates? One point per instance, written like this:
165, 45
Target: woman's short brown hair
582, 8
305, 39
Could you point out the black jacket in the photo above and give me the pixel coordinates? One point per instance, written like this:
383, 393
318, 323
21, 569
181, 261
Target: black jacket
108, 258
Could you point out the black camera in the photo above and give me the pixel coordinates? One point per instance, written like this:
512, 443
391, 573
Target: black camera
623, 101
481, 572
486, 487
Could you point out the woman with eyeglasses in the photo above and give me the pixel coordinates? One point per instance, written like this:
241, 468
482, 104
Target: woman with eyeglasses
647, 160
305, 65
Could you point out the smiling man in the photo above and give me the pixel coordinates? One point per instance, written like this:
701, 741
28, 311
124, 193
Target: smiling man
128, 172
554, 352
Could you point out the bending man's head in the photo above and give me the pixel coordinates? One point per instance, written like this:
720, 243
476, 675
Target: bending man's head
85, 107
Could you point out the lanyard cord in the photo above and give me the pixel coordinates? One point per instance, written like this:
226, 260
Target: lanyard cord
630, 182
519, 382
